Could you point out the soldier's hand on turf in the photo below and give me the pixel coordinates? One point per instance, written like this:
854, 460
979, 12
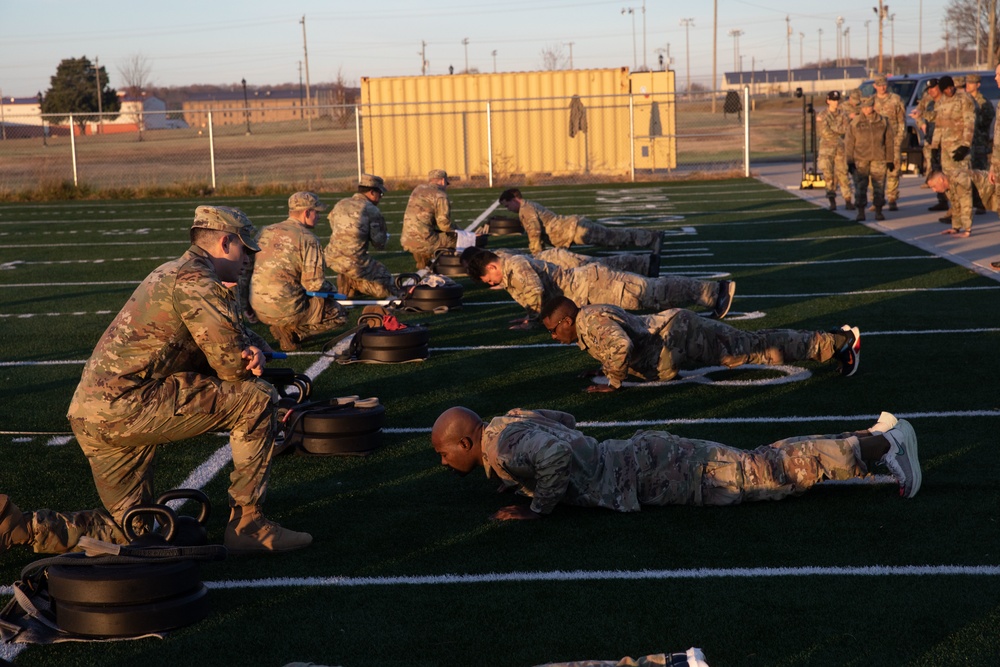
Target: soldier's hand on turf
599, 389
256, 360
514, 512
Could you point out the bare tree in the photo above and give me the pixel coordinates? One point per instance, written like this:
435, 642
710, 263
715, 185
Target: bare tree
554, 58
135, 77
967, 20
343, 98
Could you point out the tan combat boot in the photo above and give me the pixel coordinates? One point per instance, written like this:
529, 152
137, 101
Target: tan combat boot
287, 339
249, 532
15, 528
345, 285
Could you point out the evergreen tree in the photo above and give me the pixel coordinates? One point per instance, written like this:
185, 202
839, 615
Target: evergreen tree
74, 91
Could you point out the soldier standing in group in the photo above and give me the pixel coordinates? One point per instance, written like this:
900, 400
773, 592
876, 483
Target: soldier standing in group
932, 156
954, 118
657, 347
832, 125
355, 223
540, 454
176, 362
869, 146
427, 220
985, 116
289, 264
891, 106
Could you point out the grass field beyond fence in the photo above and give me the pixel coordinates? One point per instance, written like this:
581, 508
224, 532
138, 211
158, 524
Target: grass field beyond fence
406, 568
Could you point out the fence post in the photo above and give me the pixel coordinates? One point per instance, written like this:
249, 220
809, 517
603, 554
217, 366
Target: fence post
72, 149
489, 142
211, 147
746, 131
357, 137
631, 137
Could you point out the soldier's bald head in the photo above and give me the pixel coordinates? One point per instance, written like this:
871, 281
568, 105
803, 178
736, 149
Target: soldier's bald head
454, 424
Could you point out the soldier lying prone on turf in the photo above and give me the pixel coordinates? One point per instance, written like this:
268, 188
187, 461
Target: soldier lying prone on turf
658, 347
540, 454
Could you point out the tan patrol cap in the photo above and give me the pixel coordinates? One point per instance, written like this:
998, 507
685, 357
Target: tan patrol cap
973, 78
880, 80
868, 102
226, 219
959, 81
438, 173
304, 201
372, 181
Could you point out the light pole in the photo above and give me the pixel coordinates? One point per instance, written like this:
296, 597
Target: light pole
892, 41
465, 43
735, 34
494, 54
788, 45
100, 110
819, 58
570, 45
840, 23
246, 104
868, 55
635, 58
847, 47
802, 36
687, 46
42, 119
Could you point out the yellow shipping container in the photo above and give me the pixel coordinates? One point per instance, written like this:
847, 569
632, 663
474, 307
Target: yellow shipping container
516, 124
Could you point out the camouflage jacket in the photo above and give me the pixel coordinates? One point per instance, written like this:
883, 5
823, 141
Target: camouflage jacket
354, 223
995, 157
540, 224
868, 139
988, 192
985, 116
891, 106
831, 127
530, 281
925, 104
954, 121
625, 343
428, 213
290, 262
181, 319
541, 454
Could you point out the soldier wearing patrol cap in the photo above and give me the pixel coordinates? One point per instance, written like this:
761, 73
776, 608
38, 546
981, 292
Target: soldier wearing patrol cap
176, 362
427, 219
985, 116
290, 264
891, 106
832, 125
869, 146
355, 223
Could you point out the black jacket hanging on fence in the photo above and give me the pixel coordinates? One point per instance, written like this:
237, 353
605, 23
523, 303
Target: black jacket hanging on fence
577, 116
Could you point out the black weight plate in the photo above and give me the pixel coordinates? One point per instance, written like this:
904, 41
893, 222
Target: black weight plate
131, 620
380, 339
344, 445
450, 291
395, 356
501, 226
450, 270
122, 584
448, 260
343, 421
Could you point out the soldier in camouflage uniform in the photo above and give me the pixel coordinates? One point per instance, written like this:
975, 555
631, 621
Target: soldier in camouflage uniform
175, 363
354, 223
967, 181
562, 231
427, 220
995, 153
658, 347
954, 117
540, 454
531, 282
869, 146
891, 106
985, 117
289, 264
565, 259
832, 125
932, 156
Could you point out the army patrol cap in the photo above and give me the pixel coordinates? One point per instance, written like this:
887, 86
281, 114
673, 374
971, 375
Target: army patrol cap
868, 102
959, 81
880, 80
226, 219
438, 173
932, 83
304, 201
855, 95
373, 182
833, 96
946, 82
973, 78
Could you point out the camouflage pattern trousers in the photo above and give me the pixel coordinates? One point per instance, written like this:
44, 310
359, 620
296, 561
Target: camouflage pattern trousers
681, 471
593, 233
865, 172
959, 189
58, 532
322, 314
121, 451
364, 275
892, 175
423, 250
593, 283
833, 166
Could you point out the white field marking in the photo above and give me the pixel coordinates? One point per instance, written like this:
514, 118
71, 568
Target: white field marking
701, 376
176, 242
59, 440
15, 264
901, 290
788, 239
815, 263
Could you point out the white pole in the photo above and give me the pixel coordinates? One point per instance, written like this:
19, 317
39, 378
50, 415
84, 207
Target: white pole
631, 136
746, 131
357, 137
211, 147
489, 141
72, 149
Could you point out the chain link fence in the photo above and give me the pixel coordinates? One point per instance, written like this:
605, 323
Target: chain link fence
325, 147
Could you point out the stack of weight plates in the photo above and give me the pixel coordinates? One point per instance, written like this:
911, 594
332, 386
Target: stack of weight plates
426, 298
448, 264
500, 226
339, 427
380, 344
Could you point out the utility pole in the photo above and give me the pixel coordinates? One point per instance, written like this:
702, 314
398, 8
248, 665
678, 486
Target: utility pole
246, 105
715, 49
301, 108
423, 58
882, 11
979, 17
305, 53
802, 36
644, 66
735, 34
494, 54
635, 58
920, 39
819, 58
892, 32
847, 46
465, 43
868, 46
992, 41
570, 45
100, 111
686, 23
840, 50
788, 43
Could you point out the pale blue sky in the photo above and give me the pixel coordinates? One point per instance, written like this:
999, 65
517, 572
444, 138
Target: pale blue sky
222, 41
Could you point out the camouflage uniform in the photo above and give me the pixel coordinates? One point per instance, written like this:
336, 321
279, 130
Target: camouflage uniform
168, 368
832, 125
562, 231
926, 104
869, 145
289, 264
565, 259
531, 282
955, 119
541, 455
995, 153
985, 117
891, 106
657, 347
988, 191
355, 222
427, 223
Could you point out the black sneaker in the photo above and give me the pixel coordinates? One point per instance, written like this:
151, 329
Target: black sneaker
849, 355
940, 206
879, 215
723, 302
860, 217
849, 206
892, 206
